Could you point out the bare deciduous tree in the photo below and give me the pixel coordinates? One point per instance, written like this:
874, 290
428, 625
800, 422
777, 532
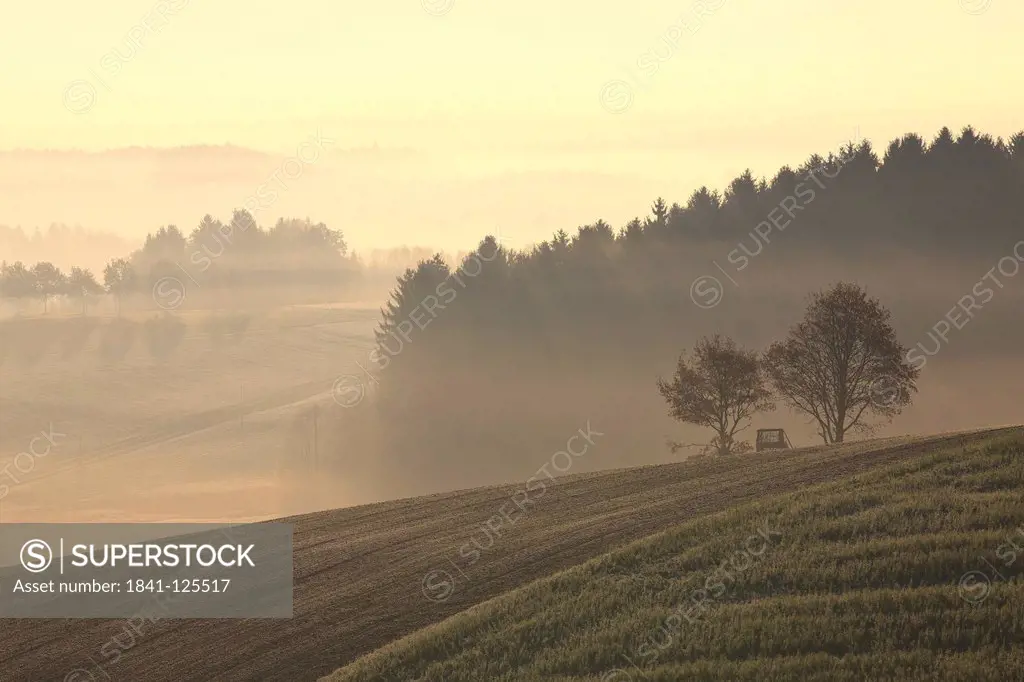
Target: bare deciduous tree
842, 363
721, 387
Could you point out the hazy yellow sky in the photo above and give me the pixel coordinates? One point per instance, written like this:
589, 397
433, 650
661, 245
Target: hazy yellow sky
488, 74
648, 98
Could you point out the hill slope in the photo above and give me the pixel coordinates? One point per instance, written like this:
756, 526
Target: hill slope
365, 576
908, 572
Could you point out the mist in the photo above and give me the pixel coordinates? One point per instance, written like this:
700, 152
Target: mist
228, 365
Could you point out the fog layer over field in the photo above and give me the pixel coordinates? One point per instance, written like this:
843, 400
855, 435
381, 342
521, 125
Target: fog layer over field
222, 425
291, 375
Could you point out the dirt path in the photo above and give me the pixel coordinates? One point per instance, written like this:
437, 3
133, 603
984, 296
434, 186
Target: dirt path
360, 572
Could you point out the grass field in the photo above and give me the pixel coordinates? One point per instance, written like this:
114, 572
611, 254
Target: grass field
102, 398
203, 433
907, 572
367, 576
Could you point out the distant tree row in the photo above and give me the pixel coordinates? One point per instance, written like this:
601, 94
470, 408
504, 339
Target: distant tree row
216, 254
45, 281
955, 197
240, 250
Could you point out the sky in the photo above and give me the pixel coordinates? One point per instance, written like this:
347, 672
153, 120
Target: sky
683, 93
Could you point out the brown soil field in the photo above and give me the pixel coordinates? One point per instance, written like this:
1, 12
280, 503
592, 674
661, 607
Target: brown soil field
367, 575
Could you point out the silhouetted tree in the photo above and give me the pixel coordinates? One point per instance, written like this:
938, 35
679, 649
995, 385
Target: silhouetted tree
119, 279
168, 243
720, 387
49, 281
660, 212
17, 281
82, 284
842, 363
420, 295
